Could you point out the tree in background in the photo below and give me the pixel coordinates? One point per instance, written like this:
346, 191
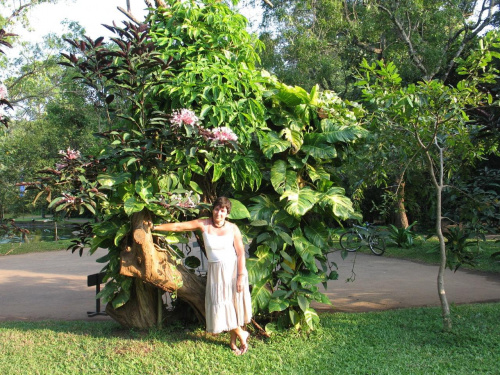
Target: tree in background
323, 41
45, 104
429, 122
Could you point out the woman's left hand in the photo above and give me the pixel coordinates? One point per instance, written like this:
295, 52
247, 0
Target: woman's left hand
239, 284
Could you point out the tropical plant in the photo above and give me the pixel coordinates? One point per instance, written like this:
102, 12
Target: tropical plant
458, 246
403, 237
195, 120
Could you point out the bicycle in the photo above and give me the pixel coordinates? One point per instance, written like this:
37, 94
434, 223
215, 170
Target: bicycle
359, 236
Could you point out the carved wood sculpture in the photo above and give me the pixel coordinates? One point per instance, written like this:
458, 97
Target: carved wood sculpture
153, 267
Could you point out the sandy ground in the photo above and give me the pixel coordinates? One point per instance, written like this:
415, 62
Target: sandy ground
53, 285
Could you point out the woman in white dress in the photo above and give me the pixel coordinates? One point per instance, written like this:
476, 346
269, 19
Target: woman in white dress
228, 305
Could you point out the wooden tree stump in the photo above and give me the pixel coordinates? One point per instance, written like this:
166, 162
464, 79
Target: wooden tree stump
147, 262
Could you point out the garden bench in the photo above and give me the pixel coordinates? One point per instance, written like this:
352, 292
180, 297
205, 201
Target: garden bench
96, 279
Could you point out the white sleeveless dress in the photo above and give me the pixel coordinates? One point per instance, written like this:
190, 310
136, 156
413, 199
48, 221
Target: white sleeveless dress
225, 308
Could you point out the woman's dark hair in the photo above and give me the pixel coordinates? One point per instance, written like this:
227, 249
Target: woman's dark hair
222, 202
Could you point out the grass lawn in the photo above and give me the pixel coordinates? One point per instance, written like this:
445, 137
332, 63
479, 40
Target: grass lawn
408, 341
33, 247
428, 252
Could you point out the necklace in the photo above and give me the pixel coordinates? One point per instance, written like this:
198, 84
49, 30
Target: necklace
218, 226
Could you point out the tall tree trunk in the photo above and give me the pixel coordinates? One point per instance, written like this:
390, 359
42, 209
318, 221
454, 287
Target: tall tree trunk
439, 184
445, 308
148, 263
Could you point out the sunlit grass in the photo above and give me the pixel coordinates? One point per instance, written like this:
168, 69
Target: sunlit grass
428, 252
408, 341
33, 247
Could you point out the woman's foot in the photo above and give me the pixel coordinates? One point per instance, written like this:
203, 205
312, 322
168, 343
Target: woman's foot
235, 350
232, 344
244, 341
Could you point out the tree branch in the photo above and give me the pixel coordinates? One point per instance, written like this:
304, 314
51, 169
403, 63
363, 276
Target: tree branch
413, 53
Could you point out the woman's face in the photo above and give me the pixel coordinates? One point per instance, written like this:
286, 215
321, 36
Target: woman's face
219, 213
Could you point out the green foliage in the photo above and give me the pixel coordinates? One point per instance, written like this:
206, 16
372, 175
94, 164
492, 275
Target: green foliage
403, 237
321, 42
476, 200
177, 83
458, 247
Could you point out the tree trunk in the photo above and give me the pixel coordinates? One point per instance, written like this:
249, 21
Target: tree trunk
400, 217
141, 309
439, 184
143, 259
445, 308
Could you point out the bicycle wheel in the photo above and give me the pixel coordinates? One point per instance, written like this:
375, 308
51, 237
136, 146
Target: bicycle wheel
377, 245
351, 241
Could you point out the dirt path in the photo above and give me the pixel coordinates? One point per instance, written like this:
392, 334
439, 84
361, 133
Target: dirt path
53, 285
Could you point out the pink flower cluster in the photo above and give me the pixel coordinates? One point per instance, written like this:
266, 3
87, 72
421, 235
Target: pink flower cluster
219, 136
183, 117
70, 154
3, 92
222, 135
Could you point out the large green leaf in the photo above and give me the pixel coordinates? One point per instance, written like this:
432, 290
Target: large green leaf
311, 317
259, 268
263, 208
271, 143
317, 172
144, 188
305, 249
238, 210
316, 146
318, 234
299, 201
168, 182
295, 137
132, 206
278, 303
336, 132
122, 231
110, 180
292, 96
244, 171
105, 228
340, 204
261, 295
303, 302
309, 279
283, 179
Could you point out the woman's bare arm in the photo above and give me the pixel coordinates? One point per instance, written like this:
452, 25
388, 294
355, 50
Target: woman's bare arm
183, 226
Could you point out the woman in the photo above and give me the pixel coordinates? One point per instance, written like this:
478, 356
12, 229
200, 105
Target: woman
227, 298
